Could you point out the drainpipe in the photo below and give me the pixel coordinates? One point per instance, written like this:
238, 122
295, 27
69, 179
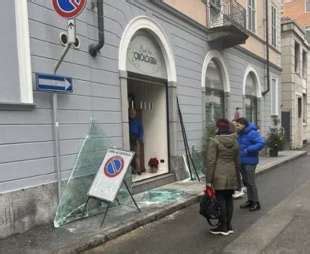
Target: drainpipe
267, 50
94, 49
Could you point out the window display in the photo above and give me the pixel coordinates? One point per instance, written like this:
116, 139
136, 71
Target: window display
215, 97
148, 128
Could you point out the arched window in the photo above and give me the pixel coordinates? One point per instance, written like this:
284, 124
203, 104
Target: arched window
250, 101
215, 95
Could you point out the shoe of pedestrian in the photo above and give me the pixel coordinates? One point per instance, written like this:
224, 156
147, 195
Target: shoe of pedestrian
254, 207
219, 231
238, 194
247, 204
230, 230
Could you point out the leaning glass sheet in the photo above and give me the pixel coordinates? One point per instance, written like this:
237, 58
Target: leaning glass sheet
72, 205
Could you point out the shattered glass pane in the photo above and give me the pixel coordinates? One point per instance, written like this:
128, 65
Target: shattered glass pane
74, 197
198, 161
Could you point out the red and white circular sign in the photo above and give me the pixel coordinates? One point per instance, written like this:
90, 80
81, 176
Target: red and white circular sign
69, 8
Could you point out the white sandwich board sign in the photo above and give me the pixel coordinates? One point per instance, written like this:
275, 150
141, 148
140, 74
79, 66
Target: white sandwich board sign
110, 175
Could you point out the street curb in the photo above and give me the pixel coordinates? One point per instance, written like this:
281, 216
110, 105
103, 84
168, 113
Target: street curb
103, 237
295, 157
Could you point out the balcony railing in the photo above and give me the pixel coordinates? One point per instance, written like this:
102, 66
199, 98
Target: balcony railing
227, 26
227, 12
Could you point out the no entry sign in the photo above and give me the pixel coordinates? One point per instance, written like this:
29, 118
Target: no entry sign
110, 175
69, 8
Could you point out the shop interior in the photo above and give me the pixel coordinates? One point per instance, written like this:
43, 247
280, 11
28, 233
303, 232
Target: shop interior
147, 102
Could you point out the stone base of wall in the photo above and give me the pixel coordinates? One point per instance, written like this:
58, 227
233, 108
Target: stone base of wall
24, 209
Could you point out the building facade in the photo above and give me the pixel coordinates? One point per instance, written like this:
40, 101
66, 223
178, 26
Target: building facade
296, 13
295, 113
211, 56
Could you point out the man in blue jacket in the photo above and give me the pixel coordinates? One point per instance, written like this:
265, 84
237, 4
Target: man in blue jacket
250, 142
136, 141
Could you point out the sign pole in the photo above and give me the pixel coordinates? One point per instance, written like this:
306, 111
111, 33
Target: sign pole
71, 40
69, 11
56, 143
56, 125
105, 214
133, 199
117, 200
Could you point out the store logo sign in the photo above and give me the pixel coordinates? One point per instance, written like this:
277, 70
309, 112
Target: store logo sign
144, 56
141, 54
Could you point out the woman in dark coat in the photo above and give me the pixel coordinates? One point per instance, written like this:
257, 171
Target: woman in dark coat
223, 172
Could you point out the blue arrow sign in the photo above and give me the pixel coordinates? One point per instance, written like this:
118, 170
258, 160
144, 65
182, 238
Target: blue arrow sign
53, 83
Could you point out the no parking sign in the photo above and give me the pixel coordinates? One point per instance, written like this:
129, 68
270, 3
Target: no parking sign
69, 8
110, 175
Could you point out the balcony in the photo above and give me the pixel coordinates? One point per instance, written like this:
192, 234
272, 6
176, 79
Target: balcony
227, 24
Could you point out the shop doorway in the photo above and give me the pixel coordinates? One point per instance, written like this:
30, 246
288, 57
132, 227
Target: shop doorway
148, 75
148, 127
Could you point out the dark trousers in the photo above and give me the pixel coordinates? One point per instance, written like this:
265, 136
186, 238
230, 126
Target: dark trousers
224, 197
137, 146
248, 178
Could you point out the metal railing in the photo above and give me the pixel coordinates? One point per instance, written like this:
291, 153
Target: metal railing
226, 12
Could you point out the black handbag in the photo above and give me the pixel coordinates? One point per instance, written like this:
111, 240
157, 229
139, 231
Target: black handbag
209, 207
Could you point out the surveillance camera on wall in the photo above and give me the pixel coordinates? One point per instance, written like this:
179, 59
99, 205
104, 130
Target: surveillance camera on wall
63, 38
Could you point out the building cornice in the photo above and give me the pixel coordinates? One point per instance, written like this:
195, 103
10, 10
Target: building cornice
258, 58
290, 27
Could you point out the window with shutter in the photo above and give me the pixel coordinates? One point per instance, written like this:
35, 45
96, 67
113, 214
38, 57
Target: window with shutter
251, 15
307, 7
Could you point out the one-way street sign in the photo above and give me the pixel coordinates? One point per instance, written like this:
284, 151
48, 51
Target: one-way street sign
53, 83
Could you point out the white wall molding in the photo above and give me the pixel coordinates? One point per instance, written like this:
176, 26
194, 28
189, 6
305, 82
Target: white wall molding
146, 23
249, 70
23, 50
217, 56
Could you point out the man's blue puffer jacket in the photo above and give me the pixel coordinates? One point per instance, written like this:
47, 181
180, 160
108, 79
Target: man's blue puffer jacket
250, 142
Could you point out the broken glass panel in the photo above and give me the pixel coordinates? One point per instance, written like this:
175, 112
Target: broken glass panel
72, 205
198, 164
198, 161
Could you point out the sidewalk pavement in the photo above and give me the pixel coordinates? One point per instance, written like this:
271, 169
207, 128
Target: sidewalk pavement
86, 234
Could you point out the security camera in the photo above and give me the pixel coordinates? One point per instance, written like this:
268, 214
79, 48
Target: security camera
64, 40
77, 43
63, 37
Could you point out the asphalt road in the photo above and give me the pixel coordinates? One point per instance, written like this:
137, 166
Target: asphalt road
186, 231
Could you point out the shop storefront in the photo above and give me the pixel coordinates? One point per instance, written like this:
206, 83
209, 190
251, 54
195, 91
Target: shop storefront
146, 96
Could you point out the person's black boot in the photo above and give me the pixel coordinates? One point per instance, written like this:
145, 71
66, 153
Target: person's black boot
254, 207
247, 204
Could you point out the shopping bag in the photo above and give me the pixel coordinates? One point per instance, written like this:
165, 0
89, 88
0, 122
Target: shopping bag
210, 207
